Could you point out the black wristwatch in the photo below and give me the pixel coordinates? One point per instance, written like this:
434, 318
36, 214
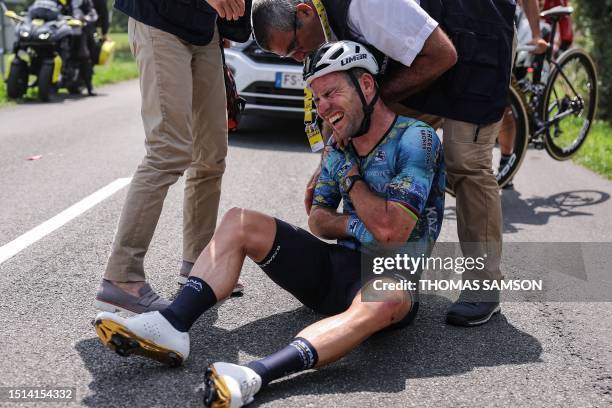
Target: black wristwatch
349, 182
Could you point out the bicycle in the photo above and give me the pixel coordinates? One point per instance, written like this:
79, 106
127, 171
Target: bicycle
552, 110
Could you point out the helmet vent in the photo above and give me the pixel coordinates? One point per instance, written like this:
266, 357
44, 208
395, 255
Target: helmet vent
336, 54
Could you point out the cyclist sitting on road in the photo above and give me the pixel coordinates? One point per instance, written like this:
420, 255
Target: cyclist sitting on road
389, 171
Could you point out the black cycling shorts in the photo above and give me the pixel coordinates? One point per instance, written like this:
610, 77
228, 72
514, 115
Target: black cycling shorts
325, 277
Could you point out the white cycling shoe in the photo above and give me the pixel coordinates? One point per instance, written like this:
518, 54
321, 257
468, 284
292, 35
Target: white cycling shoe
229, 385
147, 334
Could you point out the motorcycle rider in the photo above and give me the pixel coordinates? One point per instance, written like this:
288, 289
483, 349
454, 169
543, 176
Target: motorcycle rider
47, 10
82, 10
103, 18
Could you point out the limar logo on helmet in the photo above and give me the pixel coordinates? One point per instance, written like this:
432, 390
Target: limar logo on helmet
353, 58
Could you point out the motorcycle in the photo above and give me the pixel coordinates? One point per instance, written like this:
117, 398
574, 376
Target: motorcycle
45, 48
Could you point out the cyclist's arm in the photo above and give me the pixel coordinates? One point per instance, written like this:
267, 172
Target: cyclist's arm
323, 219
532, 12
387, 221
391, 219
326, 223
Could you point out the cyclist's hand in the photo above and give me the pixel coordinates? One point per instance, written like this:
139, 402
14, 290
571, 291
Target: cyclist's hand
228, 9
310, 187
540, 45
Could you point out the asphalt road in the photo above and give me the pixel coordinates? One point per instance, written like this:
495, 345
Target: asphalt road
534, 354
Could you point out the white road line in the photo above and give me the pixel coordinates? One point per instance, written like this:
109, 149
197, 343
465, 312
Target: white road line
17, 245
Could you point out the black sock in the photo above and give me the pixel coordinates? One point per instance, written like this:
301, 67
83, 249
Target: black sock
504, 159
299, 355
195, 298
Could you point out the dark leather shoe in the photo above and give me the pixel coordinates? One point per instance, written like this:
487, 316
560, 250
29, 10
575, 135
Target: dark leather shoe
463, 313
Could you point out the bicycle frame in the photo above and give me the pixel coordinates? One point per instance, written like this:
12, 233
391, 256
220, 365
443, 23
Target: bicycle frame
536, 89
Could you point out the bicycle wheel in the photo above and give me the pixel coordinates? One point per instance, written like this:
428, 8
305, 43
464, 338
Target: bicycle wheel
515, 122
569, 103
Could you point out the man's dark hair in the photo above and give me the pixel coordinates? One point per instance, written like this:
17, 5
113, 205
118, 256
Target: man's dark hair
270, 15
358, 72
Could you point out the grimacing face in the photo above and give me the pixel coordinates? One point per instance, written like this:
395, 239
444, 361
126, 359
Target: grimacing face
338, 104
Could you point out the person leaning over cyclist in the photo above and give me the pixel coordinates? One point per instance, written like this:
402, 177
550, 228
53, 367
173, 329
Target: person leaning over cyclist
390, 177
464, 81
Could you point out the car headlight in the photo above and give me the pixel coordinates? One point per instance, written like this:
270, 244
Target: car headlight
24, 34
44, 36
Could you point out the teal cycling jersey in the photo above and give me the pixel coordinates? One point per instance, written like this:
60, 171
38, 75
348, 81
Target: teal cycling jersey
406, 167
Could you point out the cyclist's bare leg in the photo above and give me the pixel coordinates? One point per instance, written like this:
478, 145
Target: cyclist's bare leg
241, 233
317, 345
336, 336
507, 133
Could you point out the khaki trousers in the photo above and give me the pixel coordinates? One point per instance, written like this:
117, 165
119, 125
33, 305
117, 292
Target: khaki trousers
185, 123
468, 152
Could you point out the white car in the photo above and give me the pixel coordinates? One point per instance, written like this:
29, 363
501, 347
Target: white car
270, 84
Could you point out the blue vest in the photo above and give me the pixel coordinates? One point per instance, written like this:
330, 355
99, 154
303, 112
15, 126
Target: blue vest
190, 20
475, 89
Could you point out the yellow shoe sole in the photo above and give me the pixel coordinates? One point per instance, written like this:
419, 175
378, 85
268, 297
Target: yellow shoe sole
216, 393
125, 343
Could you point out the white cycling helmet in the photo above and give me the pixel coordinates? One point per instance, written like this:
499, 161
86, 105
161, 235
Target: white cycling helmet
338, 56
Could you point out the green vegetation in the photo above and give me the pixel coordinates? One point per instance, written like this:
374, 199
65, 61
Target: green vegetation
121, 68
593, 21
119, 22
596, 153
3, 100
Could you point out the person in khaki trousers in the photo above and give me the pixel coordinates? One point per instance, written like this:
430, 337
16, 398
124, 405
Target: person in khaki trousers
176, 47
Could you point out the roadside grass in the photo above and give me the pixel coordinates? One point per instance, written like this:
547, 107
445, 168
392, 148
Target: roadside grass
596, 153
121, 68
3, 100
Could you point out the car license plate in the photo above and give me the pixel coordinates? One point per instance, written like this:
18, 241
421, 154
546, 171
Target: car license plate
291, 80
